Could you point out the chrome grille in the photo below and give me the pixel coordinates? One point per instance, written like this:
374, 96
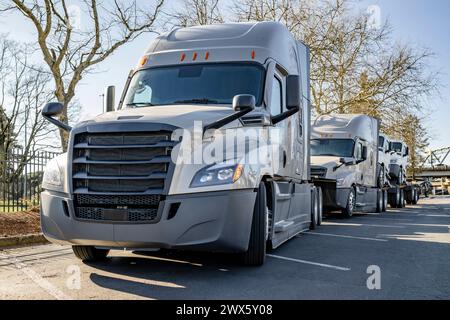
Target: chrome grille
318, 172
120, 176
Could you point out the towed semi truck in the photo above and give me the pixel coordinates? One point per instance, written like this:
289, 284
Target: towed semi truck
344, 163
129, 179
401, 191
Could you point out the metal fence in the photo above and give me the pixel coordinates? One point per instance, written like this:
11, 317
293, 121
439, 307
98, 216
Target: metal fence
20, 179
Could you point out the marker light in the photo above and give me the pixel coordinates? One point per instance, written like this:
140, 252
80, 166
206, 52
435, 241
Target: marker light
253, 54
143, 61
194, 57
206, 55
183, 57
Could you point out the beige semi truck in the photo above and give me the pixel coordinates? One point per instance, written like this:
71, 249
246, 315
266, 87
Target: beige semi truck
136, 176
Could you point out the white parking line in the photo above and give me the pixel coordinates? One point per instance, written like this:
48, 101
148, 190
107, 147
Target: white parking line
361, 225
35, 277
345, 237
310, 263
435, 215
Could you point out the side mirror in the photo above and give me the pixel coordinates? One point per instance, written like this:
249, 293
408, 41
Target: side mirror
293, 99
364, 153
342, 160
54, 109
293, 96
109, 103
244, 102
407, 152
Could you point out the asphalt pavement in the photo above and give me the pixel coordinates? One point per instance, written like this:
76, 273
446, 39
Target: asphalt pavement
402, 254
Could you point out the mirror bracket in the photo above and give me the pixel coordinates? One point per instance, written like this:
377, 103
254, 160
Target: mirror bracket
283, 116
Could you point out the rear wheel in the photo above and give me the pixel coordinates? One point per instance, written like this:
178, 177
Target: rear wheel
256, 253
402, 203
90, 254
385, 200
320, 193
314, 210
415, 199
380, 201
351, 204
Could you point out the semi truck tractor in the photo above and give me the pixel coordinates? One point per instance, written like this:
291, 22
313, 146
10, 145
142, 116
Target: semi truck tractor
132, 177
384, 160
401, 192
344, 162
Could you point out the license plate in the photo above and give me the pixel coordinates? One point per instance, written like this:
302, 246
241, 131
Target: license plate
115, 214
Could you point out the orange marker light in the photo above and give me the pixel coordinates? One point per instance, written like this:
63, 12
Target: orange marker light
253, 54
206, 55
194, 57
238, 172
183, 56
143, 61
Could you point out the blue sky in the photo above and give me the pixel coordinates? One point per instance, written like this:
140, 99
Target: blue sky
419, 22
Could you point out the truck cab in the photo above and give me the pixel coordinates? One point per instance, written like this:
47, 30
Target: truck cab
208, 149
384, 160
344, 158
399, 161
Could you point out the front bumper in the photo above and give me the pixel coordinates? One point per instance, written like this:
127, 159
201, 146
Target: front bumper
216, 221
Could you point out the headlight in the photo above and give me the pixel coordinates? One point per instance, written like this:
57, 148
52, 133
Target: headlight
53, 176
340, 182
217, 175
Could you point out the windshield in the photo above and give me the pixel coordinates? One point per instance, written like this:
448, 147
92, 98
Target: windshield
195, 84
397, 147
333, 147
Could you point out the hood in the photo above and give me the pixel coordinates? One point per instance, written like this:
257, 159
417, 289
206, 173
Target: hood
325, 161
181, 116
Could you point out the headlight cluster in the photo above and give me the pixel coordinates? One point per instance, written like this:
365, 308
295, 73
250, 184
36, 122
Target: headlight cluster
54, 176
217, 175
340, 182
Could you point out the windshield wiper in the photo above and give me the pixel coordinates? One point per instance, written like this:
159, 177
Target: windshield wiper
140, 104
198, 101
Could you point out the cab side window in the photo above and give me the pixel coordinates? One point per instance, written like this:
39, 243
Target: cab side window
276, 102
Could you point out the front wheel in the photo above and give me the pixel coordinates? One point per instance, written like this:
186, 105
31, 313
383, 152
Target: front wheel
351, 204
90, 254
256, 253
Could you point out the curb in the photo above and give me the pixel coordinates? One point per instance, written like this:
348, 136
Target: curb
25, 240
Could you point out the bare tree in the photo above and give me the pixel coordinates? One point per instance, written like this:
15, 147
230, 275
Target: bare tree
24, 88
70, 51
355, 66
195, 12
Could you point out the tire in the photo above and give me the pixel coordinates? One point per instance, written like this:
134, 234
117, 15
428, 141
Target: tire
319, 221
351, 204
257, 247
314, 210
385, 200
381, 178
415, 200
401, 204
90, 254
380, 201
395, 201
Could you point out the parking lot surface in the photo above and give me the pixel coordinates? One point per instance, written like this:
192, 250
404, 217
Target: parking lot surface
402, 254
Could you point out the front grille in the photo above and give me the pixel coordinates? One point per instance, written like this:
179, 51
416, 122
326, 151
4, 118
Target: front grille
318, 172
144, 201
103, 214
120, 176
